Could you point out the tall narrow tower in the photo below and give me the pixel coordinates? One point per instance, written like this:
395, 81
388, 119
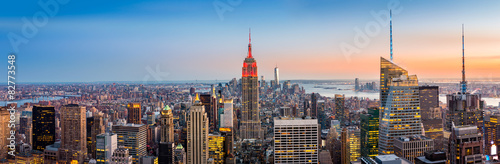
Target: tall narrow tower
463, 83
390, 18
277, 76
250, 122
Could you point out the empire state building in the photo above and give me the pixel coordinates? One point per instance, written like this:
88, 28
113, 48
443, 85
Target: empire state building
250, 122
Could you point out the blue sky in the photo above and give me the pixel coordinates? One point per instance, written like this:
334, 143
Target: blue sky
187, 40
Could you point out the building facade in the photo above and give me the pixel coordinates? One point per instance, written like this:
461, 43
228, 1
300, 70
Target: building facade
250, 122
370, 132
106, 144
133, 137
412, 147
296, 140
466, 145
400, 105
134, 113
44, 127
73, 134
197, 134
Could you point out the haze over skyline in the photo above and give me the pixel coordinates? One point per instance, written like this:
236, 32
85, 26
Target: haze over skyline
93, 40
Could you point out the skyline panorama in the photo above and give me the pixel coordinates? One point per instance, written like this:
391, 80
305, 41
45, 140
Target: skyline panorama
307, 40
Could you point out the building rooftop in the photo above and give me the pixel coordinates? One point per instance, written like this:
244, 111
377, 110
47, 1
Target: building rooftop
414, 138
294, 121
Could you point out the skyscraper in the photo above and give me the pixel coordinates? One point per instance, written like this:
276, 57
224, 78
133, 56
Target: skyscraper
133, 137
340, 109
167, 136
44, 127
277, 77
351, 146
466, 145
356, 84
106, 144
400, 107
197, 134
370, 133
210, 103
296, 140
314, 105
216, 147
134, 113
431, 114
4, 131
73, 134
463, 108
167, 125
412, 147
95, 126
250, 122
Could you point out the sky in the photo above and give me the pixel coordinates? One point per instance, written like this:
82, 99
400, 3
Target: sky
173, 40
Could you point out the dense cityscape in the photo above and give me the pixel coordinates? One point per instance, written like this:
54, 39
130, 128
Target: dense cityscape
395, 119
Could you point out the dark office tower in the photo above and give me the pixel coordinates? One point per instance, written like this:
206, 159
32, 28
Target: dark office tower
44, 127
356, 84
90, 125
73, 134
250, 122
166, 153
466, 145
314, 105
429, 101
400, 109
340, 109
134, 113
210, 103
369, 133
94, 128
431, 114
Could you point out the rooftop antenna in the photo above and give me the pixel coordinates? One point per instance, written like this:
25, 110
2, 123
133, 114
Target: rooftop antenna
390, 17
463, 83
249, 43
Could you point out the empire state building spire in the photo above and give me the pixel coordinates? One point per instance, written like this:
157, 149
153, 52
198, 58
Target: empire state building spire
249, 44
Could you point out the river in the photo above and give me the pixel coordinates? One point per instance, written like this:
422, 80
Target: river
348, 91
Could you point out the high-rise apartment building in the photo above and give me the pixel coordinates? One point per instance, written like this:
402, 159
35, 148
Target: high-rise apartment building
73, 134
44, 127
134, 113
250, 122
400, 105
197, 134
296, 140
